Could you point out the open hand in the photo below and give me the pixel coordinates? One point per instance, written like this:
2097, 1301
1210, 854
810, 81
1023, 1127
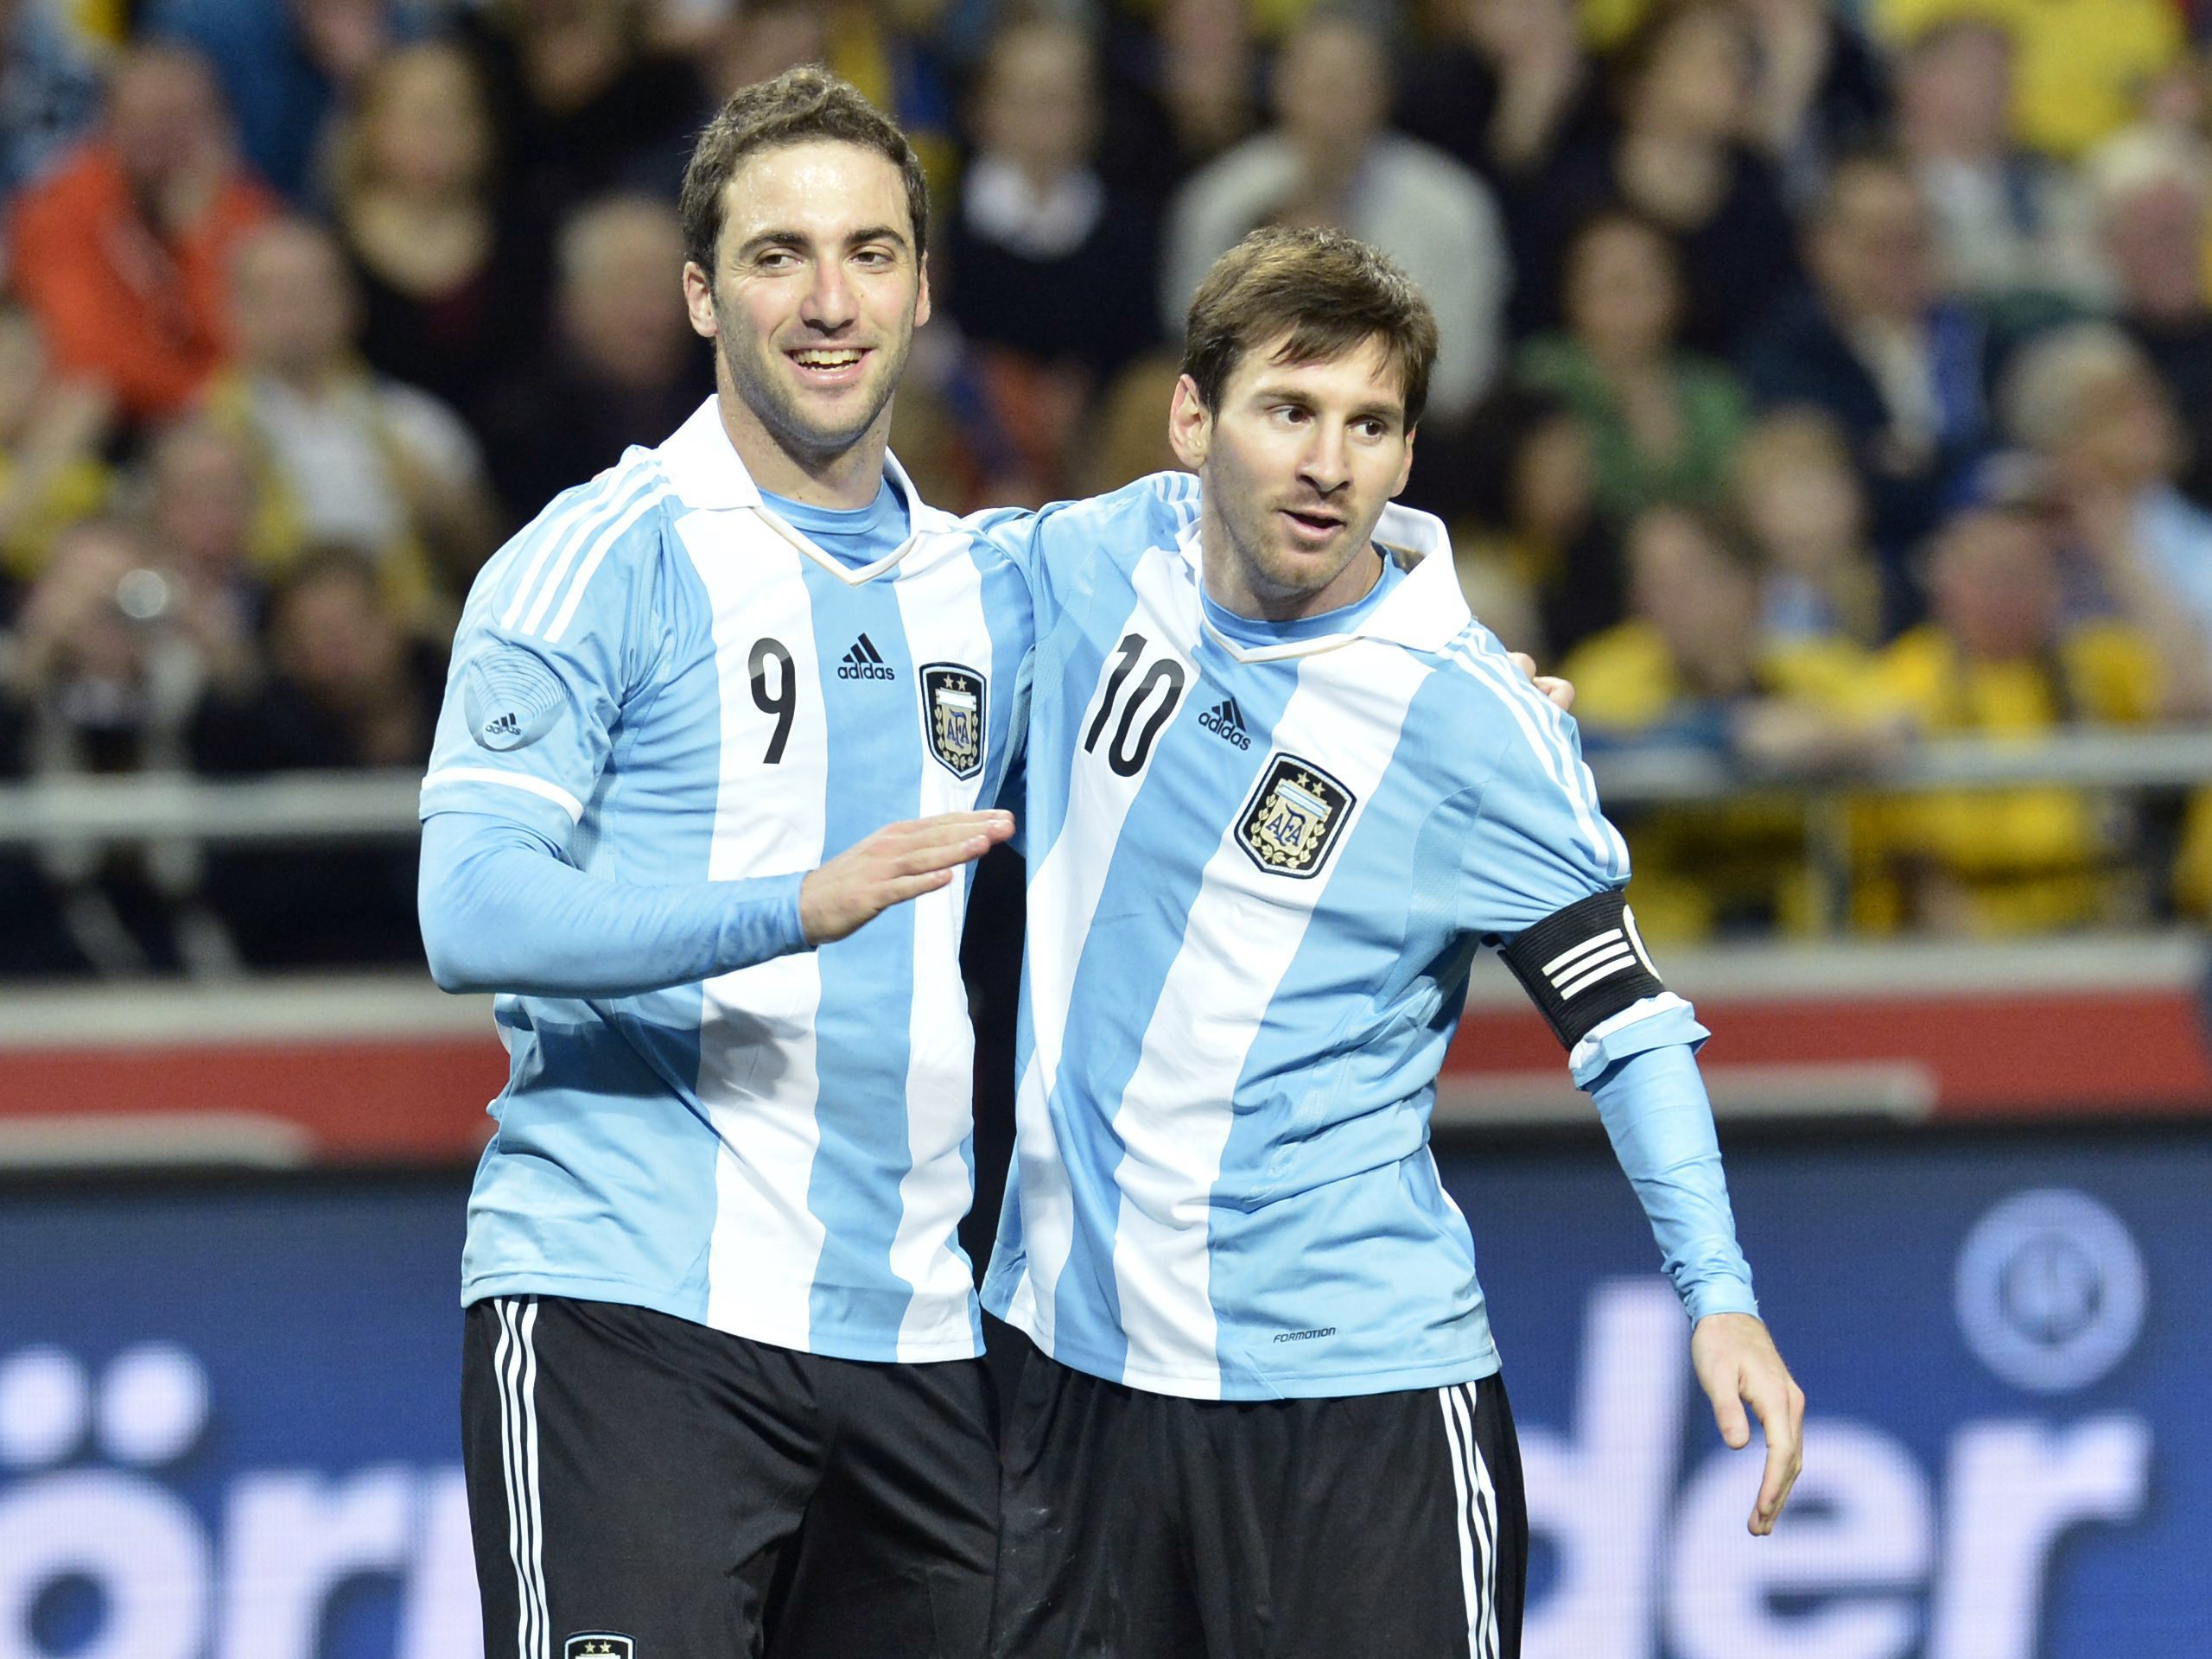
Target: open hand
1738, 1365
897, 862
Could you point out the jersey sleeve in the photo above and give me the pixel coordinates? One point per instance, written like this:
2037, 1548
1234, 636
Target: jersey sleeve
501, 912
1054, 546
1543, 874
560, 630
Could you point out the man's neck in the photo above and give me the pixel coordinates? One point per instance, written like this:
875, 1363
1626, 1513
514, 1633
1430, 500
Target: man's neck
850, 478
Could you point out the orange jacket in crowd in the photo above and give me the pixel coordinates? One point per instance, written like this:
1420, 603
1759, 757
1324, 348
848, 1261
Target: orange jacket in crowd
115, 300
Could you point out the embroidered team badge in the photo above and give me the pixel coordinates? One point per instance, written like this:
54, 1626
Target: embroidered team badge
1293, 817
953, 708
599, 1645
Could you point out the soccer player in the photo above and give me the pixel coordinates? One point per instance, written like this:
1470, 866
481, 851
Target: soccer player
1281, 789
720, 1380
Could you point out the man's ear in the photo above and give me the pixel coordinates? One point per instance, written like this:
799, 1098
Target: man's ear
1190, 425
922, 298
699, 300
1406, 471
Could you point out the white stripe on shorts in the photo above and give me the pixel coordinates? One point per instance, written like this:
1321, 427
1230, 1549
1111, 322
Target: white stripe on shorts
1477, 1515
516, 1364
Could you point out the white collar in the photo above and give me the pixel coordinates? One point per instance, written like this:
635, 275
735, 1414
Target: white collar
1425, 612
704, 469
707, 473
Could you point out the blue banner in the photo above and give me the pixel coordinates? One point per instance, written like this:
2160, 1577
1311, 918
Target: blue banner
228, 1412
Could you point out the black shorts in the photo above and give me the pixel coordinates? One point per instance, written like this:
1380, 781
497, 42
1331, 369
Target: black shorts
637, 1478
1143, 1526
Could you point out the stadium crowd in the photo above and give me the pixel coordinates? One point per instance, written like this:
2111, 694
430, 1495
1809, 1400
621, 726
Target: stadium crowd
1814, 377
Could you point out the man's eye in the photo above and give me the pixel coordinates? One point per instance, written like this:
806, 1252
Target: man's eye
873, 258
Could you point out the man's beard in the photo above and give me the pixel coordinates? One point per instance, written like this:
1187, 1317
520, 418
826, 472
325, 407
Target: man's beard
774, 405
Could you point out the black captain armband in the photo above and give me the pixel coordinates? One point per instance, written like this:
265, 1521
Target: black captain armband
1584, 965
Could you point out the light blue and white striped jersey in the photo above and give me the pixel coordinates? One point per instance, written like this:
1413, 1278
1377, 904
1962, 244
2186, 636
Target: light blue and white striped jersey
1261, 862
670, 683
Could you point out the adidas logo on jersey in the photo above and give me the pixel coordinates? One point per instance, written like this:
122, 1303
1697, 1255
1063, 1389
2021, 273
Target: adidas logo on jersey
865, 662
1223, 720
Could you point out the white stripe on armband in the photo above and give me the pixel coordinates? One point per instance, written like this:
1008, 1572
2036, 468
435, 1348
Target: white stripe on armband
553, 793
1586, 1050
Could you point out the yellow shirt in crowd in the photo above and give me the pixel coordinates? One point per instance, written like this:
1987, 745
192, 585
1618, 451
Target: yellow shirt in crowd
2080, 66
2016, 859
1699, 867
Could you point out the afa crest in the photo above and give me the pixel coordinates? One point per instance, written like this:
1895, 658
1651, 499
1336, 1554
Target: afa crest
1293, 817
599, 1645
953, 712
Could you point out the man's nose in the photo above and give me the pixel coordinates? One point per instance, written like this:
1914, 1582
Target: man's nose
831, 304
1325, 465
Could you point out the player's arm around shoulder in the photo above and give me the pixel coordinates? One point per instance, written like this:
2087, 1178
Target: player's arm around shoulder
1057, 547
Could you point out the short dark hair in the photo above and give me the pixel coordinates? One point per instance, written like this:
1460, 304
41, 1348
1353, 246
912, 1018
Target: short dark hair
1328, 292
797, 107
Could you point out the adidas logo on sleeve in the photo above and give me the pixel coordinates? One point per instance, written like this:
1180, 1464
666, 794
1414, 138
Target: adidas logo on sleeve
1224, 719
865, 662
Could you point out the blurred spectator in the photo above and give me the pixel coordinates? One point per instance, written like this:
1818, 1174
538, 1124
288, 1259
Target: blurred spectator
450, 289
580, 100
2089, 402
344, 455
48, 92
121, 252
1331, 160
348, 686
2151, 192
623, 367
1821, 88
204, 512
1691, 668
1882, 349
1799, 500
1998, 658
107, 681
886, 48
287, 67
51, 431
1037, 239
2009, 221
2083, 63
1506, 92
1506, 88
1525, 521
98, 658
1183, 86
1683, 85
1661, 421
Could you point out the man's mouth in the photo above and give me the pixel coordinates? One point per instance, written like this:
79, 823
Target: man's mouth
828, 364
1313, 523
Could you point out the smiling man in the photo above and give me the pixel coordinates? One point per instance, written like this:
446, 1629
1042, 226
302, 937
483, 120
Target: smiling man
721, 1391
1281, 789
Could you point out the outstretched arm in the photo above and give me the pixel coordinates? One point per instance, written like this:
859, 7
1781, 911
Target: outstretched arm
501, 911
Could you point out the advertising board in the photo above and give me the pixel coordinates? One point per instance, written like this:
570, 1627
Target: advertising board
227, 1411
